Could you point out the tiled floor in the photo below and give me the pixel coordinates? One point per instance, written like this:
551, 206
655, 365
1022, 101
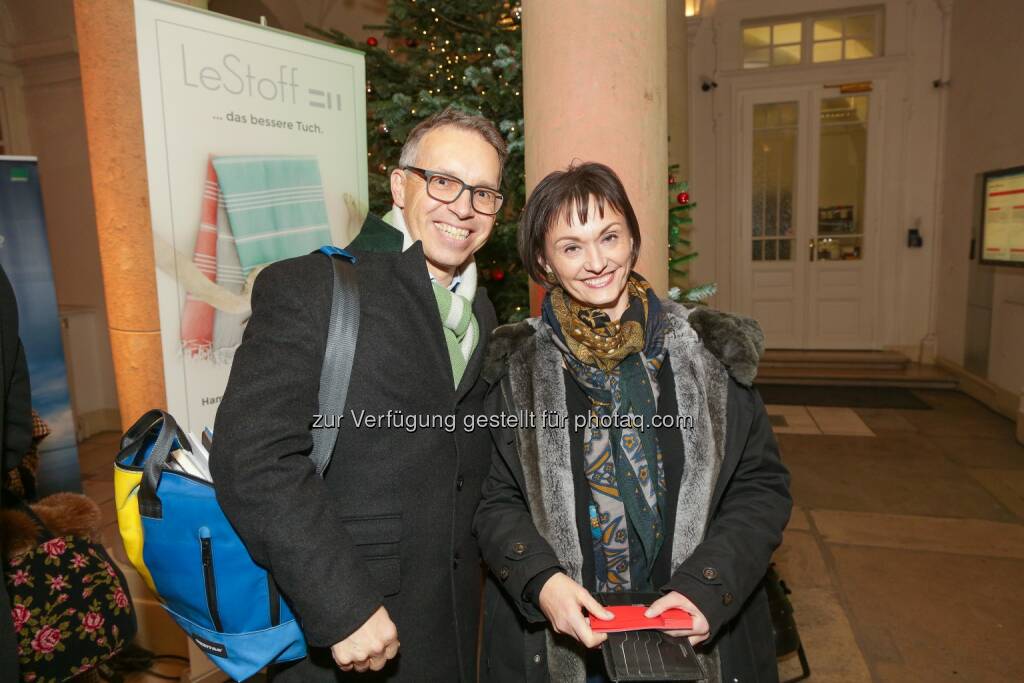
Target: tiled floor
905, 553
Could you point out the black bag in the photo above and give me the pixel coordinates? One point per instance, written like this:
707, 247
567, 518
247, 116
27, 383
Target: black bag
69, 604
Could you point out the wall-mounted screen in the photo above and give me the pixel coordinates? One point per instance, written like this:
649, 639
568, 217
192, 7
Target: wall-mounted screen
1002, 217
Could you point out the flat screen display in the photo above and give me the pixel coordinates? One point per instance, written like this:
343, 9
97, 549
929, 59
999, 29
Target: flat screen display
1002, 217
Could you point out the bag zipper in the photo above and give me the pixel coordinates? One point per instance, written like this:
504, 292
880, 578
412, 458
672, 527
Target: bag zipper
206, 546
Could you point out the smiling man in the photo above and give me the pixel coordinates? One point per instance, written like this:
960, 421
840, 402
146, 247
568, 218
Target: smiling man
377, 558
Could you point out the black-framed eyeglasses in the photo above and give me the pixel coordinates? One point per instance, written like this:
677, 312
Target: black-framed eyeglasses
447, 189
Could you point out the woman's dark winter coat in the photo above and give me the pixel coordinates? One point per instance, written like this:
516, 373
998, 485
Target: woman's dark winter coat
728, 499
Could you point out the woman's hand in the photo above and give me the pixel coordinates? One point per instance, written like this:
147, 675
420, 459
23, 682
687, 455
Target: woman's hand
562, 601
700, 631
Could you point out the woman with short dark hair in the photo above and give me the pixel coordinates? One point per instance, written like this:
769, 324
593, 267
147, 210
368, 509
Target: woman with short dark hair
650, 465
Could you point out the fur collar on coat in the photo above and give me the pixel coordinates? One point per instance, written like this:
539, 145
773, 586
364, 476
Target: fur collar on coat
705, 346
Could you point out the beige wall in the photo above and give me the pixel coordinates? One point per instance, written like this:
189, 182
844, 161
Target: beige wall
39, 47
983, 132
41, 42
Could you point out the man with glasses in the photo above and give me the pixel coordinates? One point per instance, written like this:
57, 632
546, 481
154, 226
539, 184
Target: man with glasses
377, 559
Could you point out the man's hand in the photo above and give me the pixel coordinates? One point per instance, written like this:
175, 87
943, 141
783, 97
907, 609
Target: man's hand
699, 633
370, 646
562, 601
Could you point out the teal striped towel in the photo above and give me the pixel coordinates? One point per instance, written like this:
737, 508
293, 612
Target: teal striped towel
275, 205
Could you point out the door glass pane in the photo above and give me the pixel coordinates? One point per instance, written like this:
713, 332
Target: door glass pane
838, 248
860, 48
832, 51
786, 56
786, 33
842, 176
757, 250
758, 36
786, 213
862, 26
755, 59
757, 225
836, 220
787, 116
773, 162
828, 29
785, 250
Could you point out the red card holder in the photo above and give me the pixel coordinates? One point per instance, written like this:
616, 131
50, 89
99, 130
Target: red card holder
631, 618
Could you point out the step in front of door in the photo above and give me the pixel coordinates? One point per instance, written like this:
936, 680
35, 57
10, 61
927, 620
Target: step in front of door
833, 360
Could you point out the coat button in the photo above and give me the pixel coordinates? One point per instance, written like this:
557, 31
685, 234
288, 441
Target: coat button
519, 548
536, 659
503, 573
459, 482
710, 573
726, 598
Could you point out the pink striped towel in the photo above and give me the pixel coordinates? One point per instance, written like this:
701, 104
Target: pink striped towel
198, 316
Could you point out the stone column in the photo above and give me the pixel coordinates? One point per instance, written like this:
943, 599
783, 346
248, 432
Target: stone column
677, 88
594, 77
117, 160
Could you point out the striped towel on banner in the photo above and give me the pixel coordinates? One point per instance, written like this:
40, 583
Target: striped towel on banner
227, 327
198, 316
255, 210
275, 206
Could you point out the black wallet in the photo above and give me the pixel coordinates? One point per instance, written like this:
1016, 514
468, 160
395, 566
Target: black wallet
646, 655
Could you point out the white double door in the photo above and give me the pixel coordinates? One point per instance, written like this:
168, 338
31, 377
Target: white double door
809, 163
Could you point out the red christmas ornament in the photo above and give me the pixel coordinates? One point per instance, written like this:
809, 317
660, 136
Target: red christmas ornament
411, 42
671, 180
498, 274
683, 197
371, 41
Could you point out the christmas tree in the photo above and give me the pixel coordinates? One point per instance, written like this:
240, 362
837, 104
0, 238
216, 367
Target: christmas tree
465, 54
680, 224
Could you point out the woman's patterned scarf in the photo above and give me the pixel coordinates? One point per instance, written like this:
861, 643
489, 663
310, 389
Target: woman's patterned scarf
616, 364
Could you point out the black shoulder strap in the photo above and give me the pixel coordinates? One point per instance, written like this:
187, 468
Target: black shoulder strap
338, 357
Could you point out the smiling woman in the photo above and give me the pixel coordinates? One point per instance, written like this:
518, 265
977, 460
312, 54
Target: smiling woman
608, 506
580, 231
591, 257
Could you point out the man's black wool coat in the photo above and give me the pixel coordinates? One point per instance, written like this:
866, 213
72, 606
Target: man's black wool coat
390, 523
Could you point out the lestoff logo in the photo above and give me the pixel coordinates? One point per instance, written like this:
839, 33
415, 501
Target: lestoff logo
235, 77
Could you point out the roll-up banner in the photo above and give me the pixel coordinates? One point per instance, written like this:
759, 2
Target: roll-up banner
25, 257
256, 150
